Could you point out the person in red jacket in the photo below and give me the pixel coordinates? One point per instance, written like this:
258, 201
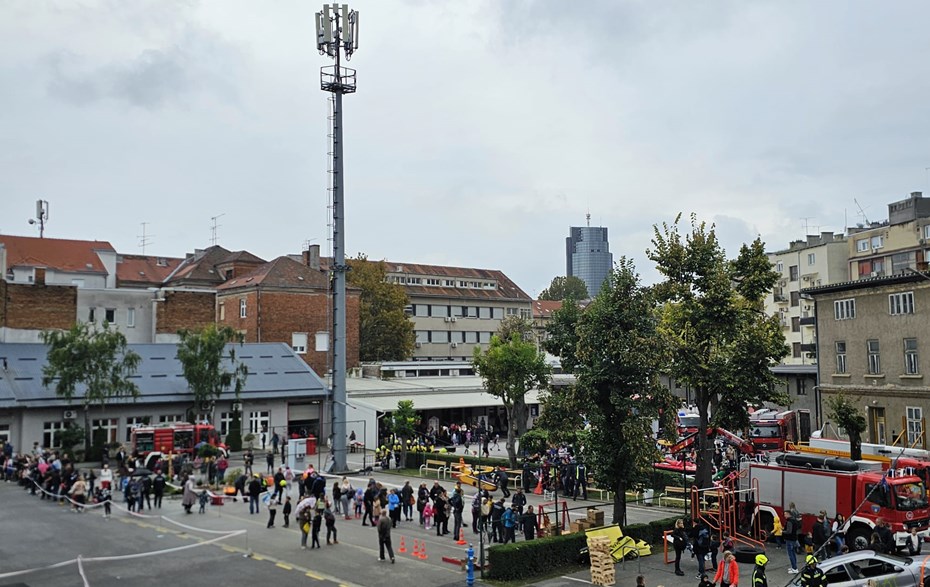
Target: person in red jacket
728, 572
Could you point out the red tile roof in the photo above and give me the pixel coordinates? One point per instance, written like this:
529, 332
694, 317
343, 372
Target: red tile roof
545, 308
144, 270
282, 272
55, 253
201, 267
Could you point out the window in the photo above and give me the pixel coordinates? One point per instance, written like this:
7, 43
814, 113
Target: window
811, 258
526, 313
795, 324
497, 313
440, 336
911, 366
432, 281
242, 308
259, 421
456, 311
484, 313
795, 299
470, 311
91, 317
299, 342
170, 418
875, 361
131, 317
438, 311
422, 336
877, 242
915, 426
226, 419
50, 433
108, 427
4, 432
800, 386
796, 350
110, 315
901, 303
878, 495
862, 245
927, 231
840, 356
793, 273
133, 422
471, 337
511, 311
779, 267
844, 309
484, 337
222, 311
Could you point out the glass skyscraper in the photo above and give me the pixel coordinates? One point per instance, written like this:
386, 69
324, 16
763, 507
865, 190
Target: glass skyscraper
588, 256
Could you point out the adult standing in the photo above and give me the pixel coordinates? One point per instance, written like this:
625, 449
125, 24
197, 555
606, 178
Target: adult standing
758, 572
422, 498
189, 498
839, 532
255, 491
812, 576
679, 542
304, 514
581, 481
106, 477
790, 534
509, 521
728, 572
503, 480
457, 503
407, 501
222, 464
384, 538
497, 513
441, 513
529, 523
345, 494
701, 545
393, 507
275, 440
519, 501
158, 487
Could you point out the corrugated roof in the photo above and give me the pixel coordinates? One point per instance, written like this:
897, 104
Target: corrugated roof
55, 253
274, 372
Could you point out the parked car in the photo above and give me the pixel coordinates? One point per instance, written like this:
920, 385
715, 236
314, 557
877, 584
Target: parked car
856, 569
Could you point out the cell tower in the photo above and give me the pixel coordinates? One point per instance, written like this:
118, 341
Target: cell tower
337, 35
41, 216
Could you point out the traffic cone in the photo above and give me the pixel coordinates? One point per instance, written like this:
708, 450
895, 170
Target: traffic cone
461, 539
422, 555
403, 546
416, 549
539, 489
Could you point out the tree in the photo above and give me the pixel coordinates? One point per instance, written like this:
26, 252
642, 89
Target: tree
562, 334
209, 363
403, 424
561, 415
849, 417
562, 288
620, 354
723, 344
510, 368
386, 332
510, 326
96, 360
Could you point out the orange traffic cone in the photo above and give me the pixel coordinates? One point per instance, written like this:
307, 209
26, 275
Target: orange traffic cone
461, 539
416, 549
422, 555
538, 490
403, 546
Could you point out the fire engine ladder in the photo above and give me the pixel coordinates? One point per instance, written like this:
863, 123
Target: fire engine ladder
718, 507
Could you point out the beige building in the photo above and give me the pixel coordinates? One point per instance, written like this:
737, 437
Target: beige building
455, 309
892, 246
871, 335
818, 260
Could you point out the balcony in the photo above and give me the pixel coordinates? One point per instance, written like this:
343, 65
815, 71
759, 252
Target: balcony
781, 299
808, 321
809, 348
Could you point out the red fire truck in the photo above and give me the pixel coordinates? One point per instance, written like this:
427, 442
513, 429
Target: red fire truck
770, 430
819, 482
174, 438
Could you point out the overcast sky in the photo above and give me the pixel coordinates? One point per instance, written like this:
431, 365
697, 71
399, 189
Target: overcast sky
481, 130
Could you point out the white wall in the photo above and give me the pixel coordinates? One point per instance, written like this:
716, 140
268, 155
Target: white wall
120, 300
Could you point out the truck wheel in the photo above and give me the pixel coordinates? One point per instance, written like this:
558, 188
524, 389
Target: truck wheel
857, 538
747, 554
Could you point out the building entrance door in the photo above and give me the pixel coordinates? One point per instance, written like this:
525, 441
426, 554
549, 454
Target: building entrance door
877, 425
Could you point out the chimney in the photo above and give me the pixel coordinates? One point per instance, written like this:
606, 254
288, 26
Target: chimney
312, 257
39, 276
2, 261
915, 195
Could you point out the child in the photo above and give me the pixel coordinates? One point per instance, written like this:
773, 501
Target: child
105, 498
428, 515
807, 542
287, 511
204, 498
272, 511
359, 502
704, 582
315, 529
330, 520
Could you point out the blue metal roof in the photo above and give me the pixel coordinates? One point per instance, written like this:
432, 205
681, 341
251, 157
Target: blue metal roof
275, 372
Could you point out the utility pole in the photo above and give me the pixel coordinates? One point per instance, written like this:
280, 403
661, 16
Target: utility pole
41, 216
337, 35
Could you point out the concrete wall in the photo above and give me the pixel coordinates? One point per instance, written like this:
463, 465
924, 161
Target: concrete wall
121, 301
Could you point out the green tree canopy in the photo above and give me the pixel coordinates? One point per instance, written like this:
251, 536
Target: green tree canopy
849, 417
403, 424
620, 354
562, 334
510, 368
562, 288
722, 342
96, 360
386, 332
209, 363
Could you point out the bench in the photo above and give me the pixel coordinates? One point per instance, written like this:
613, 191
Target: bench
677, 495
440, 467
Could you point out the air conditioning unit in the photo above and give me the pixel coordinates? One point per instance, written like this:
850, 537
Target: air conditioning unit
875, 274
70, 414
417, 345
454, 344
783, 282
447, 319
237, 406
452, 319
807, 278
206, 406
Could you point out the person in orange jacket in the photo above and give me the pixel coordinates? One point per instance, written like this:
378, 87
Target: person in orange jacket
728, 572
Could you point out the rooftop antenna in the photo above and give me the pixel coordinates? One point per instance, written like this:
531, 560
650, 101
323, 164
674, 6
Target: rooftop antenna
861, 212
214, 227
41, 216
144, 238
587, 218
337, 35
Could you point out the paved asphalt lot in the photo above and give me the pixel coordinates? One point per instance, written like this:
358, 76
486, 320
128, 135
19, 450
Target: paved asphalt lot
193, 549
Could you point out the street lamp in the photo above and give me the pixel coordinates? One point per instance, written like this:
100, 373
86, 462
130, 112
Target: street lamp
337, 35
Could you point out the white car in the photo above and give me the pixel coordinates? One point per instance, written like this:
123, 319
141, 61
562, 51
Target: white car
856, 569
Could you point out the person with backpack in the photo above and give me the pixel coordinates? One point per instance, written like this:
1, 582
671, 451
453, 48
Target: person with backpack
508, 520
790, 533
304, 514
679, 542
330, 518
701, 546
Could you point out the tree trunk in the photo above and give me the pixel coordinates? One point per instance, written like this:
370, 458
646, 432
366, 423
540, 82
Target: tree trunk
855, 446
87, 431
705, 461
511, 439
619, 514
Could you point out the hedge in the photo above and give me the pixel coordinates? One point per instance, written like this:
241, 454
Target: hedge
415, 459
523, 560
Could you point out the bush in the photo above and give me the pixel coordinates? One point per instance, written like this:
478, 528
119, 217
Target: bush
522, 560
652, 532
533, 441
232, 475
234, 437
